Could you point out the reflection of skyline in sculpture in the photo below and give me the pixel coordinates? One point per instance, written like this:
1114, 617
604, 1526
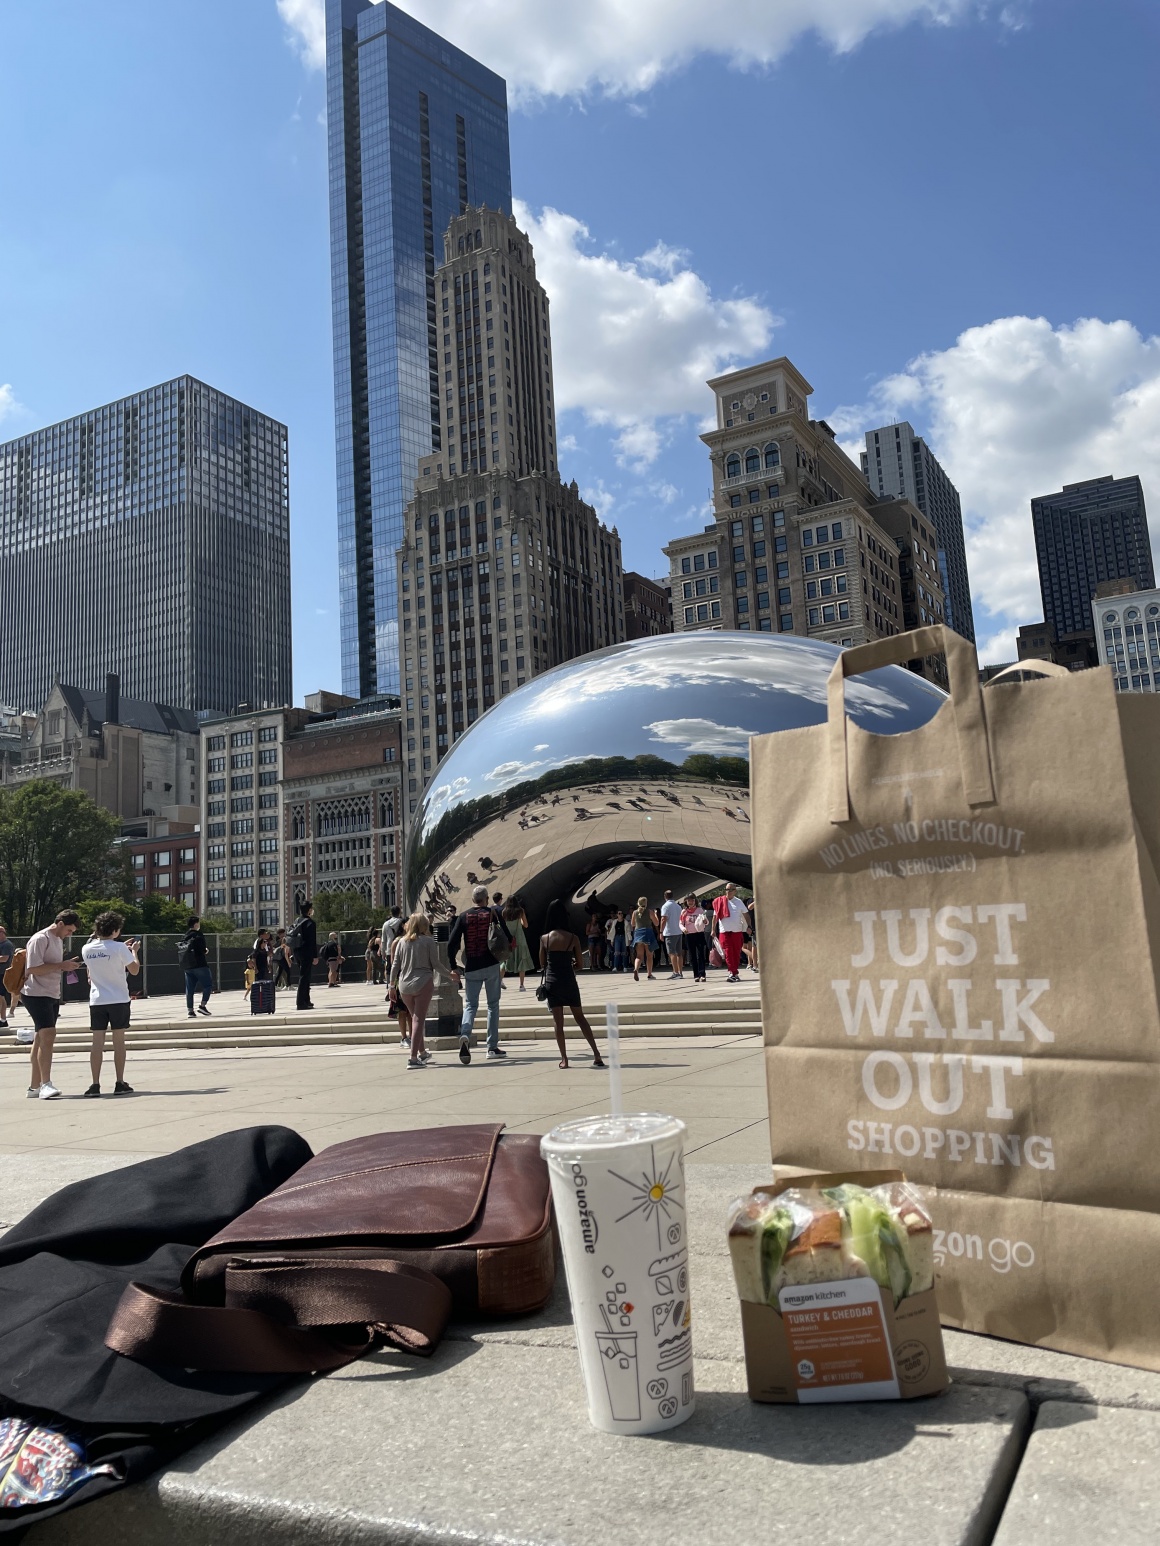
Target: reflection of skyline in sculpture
627, 771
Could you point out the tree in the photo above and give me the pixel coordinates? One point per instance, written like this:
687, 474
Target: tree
344, 910
90, 909
56, 845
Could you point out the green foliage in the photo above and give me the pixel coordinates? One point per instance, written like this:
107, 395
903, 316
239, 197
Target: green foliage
162, 915
90, 909
211, 923
55, 845
339, 910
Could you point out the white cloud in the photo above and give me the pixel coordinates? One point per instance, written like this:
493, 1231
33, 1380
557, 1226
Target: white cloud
1017, 407
8, 403
702, 736
306, 20
634, 341
623, 47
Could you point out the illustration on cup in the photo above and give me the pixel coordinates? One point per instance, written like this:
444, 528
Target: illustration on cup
621, 1376
654, 1194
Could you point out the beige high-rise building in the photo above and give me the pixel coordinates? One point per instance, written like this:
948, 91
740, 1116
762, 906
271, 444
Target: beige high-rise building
795, 545
504, 570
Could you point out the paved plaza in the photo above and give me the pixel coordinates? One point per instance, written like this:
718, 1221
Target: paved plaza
489, 1441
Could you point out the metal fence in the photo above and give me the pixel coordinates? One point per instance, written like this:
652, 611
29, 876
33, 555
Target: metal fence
161, 971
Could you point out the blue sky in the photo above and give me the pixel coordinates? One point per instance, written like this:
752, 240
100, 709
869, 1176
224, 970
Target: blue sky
939, 209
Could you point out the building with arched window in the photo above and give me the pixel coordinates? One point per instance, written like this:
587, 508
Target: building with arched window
798, 542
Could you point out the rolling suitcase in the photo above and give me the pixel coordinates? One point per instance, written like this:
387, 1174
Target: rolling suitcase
262, 997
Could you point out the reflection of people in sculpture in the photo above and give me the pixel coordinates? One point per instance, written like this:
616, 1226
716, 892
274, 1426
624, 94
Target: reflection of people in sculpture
560, 956
644, 937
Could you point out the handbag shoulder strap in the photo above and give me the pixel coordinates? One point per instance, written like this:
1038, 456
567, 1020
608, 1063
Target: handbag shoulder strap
282, 1316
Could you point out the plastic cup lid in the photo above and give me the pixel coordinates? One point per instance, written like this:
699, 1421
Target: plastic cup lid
592, 1135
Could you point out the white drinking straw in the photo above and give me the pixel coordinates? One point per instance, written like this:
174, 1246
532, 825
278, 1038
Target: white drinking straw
616, 1094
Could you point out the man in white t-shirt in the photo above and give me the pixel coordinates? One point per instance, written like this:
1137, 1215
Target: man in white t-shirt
43, 965
110, 962
671, 929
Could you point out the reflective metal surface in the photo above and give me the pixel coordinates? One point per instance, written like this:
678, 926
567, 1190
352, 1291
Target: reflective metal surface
627, 771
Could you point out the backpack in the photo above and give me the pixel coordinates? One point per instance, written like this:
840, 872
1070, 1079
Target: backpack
294, 938
185, 951
14, 976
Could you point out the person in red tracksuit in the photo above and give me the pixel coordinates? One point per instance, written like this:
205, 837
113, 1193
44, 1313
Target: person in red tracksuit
731, 919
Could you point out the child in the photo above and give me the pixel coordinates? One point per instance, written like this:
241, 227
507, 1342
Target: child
251, 974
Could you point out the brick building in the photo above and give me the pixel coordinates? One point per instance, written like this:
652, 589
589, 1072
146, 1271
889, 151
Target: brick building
798, 542
168, 864
647, 607
299, 801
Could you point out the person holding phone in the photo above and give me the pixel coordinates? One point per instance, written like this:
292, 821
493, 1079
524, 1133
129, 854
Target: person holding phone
110, 962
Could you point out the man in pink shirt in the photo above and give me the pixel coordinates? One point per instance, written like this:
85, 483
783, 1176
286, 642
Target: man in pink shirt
43, 964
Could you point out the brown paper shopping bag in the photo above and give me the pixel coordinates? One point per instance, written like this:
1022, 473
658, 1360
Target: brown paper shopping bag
959, 929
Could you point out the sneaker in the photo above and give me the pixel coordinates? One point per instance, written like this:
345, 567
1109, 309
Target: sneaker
48, 1091
733, 977
673, 976
202, 1010
33, 1091
464, 1051
523, 988
93, 1090
404, 1040
190, 1015
121, 1088
495, 1052
425, 1055
416, 1063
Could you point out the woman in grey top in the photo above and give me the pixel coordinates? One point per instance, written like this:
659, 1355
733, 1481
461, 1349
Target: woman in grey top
415, 964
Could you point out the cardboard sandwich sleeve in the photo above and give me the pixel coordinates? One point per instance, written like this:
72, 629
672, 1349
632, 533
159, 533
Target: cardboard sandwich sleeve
817, 1335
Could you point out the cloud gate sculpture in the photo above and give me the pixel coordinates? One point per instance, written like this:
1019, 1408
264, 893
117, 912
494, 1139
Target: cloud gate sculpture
627, 771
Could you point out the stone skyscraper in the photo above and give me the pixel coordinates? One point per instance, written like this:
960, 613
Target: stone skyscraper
504, 571
417, 132
898, 462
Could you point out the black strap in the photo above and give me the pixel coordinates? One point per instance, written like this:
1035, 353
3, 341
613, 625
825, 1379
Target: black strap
286, 1315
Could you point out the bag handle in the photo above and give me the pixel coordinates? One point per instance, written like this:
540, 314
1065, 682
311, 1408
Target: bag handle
1035, 665
966, 701
286, 1315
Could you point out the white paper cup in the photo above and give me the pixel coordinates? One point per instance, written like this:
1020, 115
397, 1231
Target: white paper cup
618, 1183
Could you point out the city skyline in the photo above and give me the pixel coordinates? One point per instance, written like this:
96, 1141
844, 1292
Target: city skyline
1020, 376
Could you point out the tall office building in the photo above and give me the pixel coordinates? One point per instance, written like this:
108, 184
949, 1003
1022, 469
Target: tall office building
1085, 535
418, 131
149, 538
519, 571
899, 462
799, 543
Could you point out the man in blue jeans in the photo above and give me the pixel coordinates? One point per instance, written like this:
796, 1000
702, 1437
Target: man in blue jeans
480, 970
194, 952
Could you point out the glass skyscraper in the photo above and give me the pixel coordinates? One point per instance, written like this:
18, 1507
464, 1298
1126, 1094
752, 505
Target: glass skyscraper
149, 538
1087, 534
417, 132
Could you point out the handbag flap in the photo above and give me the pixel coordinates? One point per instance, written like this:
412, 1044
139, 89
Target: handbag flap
427, 1185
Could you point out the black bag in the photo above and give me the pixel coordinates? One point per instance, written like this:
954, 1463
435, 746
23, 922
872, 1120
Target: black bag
185, 952
262, 997
294, 937
63, 1270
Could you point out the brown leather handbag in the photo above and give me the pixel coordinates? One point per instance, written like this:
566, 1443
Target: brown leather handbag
376, 1241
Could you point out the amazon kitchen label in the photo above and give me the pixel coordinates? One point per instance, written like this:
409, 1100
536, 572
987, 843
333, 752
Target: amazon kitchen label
838, 1344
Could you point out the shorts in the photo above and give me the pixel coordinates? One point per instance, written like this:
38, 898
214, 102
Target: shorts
109, 1017
44, 1010
674, 943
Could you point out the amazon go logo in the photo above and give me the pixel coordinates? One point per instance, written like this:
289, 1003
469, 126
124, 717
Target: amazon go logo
589, 1229
1002, 1254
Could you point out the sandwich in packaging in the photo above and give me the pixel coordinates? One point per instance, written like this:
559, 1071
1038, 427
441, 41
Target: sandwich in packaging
836, 1279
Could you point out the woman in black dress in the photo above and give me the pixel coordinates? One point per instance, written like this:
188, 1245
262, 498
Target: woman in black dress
560, 956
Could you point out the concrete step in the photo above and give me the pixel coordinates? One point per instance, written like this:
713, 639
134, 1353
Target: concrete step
719, 1016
